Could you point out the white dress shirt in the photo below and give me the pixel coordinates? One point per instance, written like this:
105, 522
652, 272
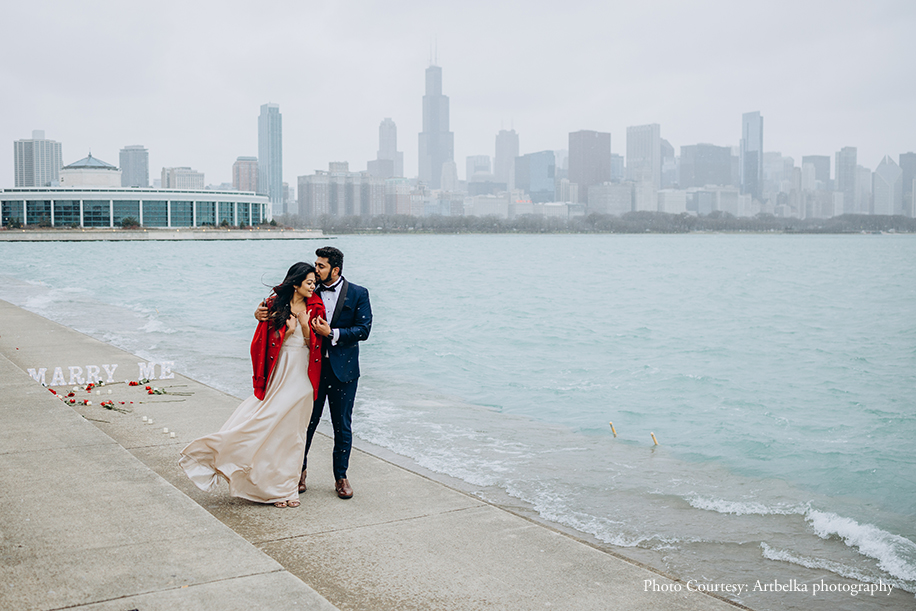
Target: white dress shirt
329, 298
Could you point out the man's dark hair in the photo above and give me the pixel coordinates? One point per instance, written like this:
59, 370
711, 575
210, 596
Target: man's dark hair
334, 256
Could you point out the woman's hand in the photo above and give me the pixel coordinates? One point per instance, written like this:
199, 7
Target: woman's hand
291, 323
303, 318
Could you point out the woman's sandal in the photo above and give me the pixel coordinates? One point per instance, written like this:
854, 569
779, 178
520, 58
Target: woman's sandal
292, 503
281, 504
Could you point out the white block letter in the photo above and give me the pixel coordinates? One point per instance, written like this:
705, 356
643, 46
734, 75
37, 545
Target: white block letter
58, 378
38, 376
110, 369
76, 375
166, 370
92, 373
147, 370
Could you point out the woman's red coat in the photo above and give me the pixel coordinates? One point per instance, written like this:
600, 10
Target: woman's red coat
265, 347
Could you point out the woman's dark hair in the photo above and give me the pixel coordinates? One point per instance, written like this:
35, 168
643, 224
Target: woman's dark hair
334, 256
278, 312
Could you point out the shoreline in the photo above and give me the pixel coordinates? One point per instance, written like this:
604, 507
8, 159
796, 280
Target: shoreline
156, 234
388, 534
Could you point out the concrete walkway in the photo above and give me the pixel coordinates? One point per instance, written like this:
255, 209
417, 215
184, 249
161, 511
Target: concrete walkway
95, 512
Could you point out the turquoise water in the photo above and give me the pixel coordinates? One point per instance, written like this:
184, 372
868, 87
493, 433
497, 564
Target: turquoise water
776, 372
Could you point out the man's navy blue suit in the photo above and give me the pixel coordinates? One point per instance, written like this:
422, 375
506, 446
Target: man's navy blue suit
352, 317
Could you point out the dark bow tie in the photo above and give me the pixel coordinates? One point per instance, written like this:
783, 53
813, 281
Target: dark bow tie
330, 289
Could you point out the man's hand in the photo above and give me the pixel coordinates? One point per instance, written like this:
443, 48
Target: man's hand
321, 326
261, 313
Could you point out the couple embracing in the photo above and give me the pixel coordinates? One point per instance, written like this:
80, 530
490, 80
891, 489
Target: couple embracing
305, 352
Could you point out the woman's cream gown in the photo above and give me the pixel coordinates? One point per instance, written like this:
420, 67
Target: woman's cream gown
259, 450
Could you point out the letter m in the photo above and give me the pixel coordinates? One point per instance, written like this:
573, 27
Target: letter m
38, 376
147, 370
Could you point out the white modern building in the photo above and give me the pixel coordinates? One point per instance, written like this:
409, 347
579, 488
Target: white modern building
36, 162
108, 207
90, 172
182, 178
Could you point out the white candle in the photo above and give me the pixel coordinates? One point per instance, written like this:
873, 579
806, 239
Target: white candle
171, 434
144, 418
109, 391
165, 430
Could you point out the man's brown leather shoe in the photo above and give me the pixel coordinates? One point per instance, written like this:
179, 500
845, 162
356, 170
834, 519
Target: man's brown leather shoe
344, 490
302, 482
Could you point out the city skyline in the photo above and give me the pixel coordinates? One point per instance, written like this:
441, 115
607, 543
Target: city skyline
645, 68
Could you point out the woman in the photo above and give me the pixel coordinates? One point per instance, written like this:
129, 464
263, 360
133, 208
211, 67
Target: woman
259, 450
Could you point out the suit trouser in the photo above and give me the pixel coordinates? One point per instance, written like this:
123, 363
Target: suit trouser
340, 397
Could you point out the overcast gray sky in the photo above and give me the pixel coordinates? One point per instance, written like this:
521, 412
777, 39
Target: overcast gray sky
186, 79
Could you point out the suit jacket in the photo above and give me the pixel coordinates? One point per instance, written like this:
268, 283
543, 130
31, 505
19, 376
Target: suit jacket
353, 318
266, 343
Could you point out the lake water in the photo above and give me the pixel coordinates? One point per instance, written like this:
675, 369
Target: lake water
778, 374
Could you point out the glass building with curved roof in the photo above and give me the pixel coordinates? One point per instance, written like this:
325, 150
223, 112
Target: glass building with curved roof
108, 207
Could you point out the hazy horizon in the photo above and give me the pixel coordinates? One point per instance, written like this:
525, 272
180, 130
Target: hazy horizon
187, 80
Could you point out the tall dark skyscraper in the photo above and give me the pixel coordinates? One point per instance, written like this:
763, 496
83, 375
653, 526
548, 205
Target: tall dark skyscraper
751, 154
437, 143
270, 156
589, 159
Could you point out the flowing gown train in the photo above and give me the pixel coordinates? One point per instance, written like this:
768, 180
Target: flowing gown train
259, 450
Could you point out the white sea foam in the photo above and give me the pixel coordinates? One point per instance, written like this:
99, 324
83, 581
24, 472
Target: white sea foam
895, 554
156, 326
743, 508
829, 565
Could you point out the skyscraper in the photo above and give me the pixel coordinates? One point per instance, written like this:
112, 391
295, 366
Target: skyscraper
36, 162
644, 162
908, 165
751, 154
245, 174
437, 143
821, 165
270, 156
888, 187
134, 161
705, 164
535, 173
389, 162
846, 180
506, 152
669, 165
477, 164
589, 159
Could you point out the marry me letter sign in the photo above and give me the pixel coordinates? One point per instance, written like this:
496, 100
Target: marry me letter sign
85, 374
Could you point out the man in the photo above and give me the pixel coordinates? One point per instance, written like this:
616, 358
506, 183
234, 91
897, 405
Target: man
351, 320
